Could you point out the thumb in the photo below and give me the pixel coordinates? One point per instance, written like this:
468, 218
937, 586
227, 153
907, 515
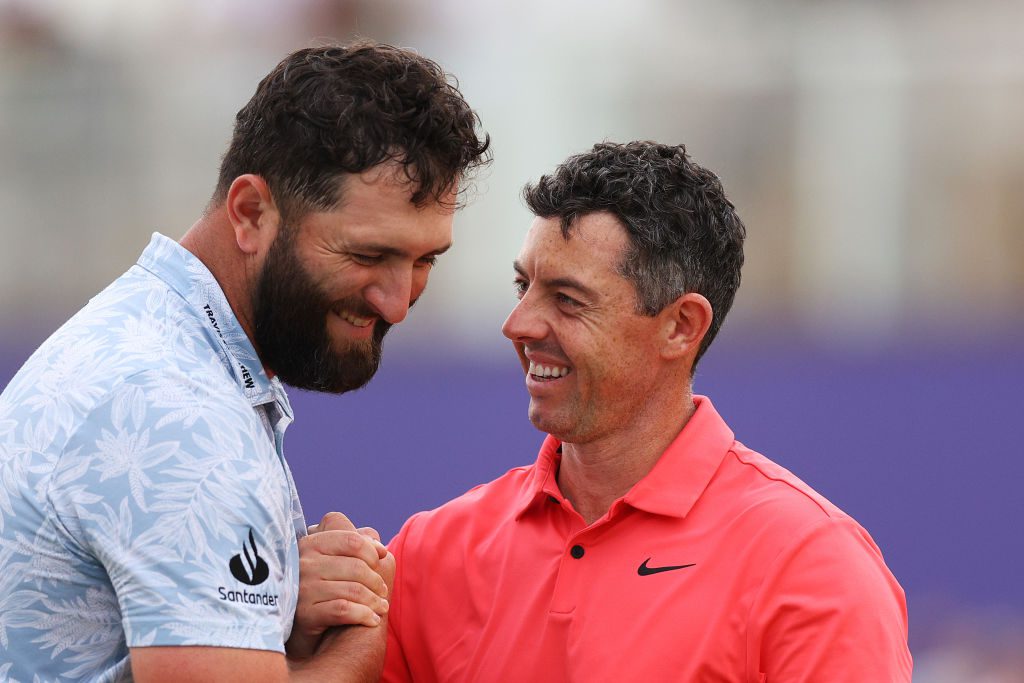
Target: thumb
335, 521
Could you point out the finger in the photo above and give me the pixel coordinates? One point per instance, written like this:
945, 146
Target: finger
356, 593
372, 534
312, 528
343, 544
386, 569
318, 569
335, 521
343, 612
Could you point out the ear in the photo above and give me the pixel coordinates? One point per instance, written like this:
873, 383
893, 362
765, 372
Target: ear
253, 214
686, 321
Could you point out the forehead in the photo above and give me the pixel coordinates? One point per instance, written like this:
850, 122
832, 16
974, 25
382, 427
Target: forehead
376, 206
593, 250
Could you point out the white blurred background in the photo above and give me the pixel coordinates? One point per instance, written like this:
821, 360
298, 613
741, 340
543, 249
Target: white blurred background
874, 149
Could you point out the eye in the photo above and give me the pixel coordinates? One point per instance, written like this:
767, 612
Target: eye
519, 286
567, 300
365, 259
427, 261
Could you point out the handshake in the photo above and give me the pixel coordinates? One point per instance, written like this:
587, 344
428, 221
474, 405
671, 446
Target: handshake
345, 576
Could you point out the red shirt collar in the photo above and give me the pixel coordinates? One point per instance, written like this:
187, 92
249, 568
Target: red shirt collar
675, 482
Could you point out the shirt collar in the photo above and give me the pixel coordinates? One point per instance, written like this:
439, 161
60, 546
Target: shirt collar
673, 485
543, 483
193, 281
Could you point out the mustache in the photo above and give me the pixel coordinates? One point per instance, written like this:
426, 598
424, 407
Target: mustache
359, 308
546, 350
356, 307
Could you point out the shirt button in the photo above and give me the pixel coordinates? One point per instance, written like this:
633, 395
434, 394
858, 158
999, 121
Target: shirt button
576, 551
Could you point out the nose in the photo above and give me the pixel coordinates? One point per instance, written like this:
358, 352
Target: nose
393, 292
524, 324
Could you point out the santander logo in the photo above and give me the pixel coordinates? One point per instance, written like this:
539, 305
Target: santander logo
248, 567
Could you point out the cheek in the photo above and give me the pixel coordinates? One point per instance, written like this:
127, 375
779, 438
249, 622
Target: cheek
419, 281
341, 283
626, 359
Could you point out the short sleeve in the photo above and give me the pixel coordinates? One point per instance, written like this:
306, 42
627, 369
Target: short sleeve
396, 666
178, 494
830, 610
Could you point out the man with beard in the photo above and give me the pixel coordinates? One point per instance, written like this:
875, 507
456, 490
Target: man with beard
149, 525
646, 543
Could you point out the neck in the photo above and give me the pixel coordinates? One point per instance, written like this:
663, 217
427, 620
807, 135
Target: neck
595, 474
211, 240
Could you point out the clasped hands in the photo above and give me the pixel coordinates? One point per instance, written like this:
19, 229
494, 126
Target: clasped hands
345, 575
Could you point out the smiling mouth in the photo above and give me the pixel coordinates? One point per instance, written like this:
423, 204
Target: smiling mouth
354, 319
547, 373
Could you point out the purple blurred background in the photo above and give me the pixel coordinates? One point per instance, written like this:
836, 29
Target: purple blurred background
920, 441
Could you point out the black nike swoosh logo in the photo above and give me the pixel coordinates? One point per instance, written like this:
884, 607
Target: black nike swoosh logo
644, 570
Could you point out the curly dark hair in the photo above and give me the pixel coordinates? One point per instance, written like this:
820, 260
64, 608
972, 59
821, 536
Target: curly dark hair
684, 235
328, 111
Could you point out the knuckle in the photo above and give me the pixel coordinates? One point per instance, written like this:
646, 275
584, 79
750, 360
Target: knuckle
349, 612
336, 520
341, 608
352, 595
353, 542
307, 566
332, 543
351, 569
367, 597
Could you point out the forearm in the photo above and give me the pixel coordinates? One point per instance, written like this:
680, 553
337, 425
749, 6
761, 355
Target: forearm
300, 647
347, 654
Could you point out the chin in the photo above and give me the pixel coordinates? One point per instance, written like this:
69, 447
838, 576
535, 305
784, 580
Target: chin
558, 426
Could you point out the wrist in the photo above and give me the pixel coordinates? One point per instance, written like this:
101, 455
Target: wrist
301, 645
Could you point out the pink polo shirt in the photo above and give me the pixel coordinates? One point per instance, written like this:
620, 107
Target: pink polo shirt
719, 565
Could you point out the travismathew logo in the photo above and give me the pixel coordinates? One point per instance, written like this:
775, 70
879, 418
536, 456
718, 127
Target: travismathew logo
246, 377
252, 570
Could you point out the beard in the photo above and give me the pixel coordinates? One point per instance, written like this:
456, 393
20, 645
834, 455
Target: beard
290, 313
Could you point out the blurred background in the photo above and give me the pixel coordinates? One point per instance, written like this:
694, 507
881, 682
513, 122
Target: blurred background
874, 149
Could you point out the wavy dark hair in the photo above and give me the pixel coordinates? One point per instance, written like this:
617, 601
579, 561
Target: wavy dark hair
328, 111
684, 235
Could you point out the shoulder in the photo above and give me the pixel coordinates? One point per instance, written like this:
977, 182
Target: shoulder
824, 598
471, 515
163, 441
802, 536
755, 479
773, 518
136, 324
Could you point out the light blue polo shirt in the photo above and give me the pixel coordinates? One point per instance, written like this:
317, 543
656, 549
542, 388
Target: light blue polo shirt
144, 496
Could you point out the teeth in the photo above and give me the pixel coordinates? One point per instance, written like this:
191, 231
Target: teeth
551, 371
358, 322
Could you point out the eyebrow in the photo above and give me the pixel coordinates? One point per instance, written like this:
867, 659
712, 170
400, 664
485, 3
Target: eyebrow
385, 250
565, 282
